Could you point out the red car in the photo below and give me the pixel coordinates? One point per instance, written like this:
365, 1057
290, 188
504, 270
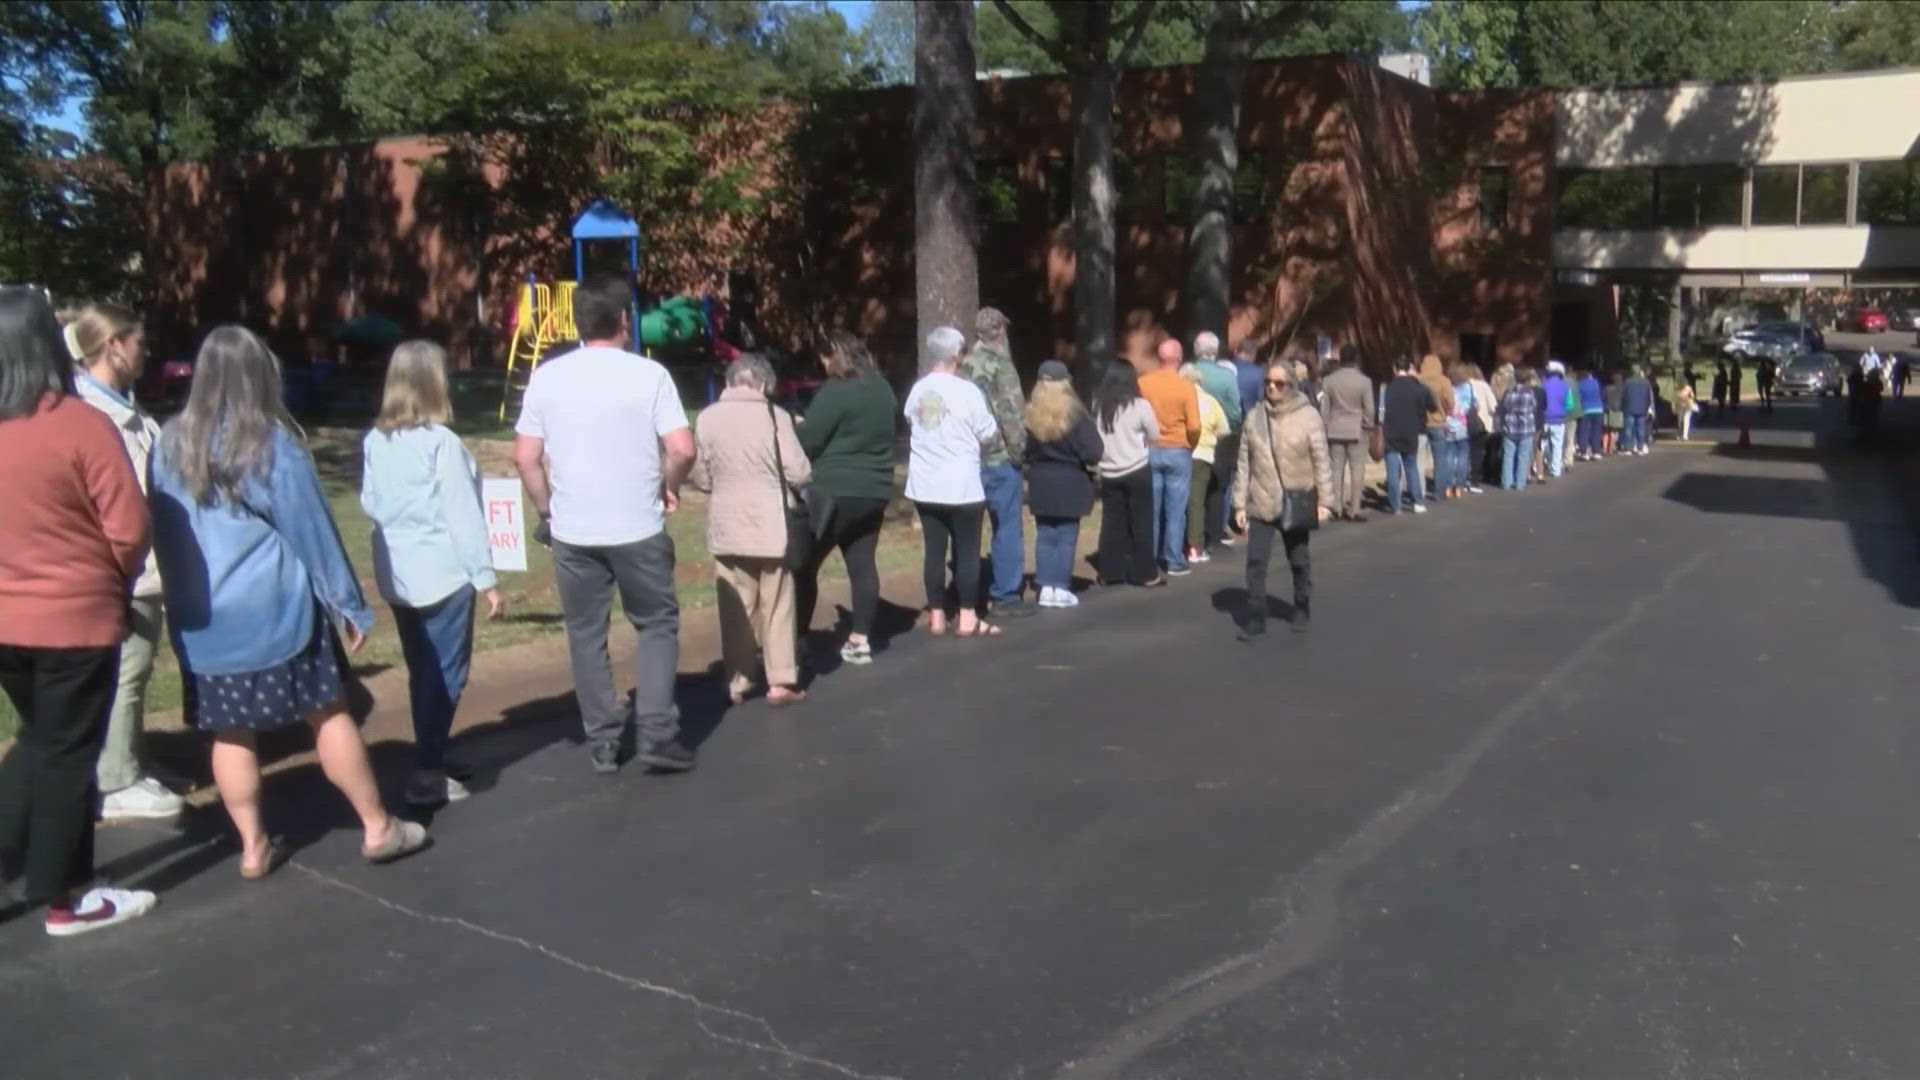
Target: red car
1864, 320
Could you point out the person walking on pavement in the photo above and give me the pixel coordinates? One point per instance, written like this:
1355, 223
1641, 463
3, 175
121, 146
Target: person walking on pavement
1684, 406
1283, 486
1433, 376
1518, 418
1204, 496
248, 546
1636, 399
1898, 370
1063, 450
749, 459
1351, 414
73, 541
1593, 410
109, 344
1128, 430
1176, 403
990, 367
1220, 377
849, 436
602, 447
952, 429
1404, 407
1554, 418
431, 556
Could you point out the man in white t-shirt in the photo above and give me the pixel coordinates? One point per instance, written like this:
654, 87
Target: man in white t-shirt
602, 446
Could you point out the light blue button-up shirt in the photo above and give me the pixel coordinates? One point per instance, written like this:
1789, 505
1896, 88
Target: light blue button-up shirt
422, 490
241, 581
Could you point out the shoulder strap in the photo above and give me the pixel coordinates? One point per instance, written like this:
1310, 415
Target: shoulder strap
1273, 451
779, 465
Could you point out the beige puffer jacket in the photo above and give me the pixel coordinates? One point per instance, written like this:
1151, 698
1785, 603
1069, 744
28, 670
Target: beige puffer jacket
734, 460
1302, 458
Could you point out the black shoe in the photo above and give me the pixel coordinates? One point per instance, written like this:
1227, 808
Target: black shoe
1252, 631
605, 756
1012, 609
669, 756
1301, 618
1357, 518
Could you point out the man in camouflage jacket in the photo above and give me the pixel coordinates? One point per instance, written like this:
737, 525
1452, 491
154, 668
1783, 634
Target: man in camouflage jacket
990, 365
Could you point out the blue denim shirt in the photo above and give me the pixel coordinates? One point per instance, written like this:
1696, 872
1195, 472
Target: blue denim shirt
241, 582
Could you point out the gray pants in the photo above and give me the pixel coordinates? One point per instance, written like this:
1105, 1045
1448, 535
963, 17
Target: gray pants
643, 574
1349, 465
119, 764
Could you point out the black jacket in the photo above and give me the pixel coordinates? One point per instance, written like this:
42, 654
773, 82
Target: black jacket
1408, 402
1060, 471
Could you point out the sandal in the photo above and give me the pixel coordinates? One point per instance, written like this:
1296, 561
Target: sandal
404, 838
937, 629
980, 629
275, 856
785, 696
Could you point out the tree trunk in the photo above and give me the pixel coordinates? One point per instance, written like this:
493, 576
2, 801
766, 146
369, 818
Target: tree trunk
1093, 195
946, 266
1218, 87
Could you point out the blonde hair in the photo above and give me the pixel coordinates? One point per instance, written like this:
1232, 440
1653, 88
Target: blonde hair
96, 326
1053, 409
1190, 371
416, 390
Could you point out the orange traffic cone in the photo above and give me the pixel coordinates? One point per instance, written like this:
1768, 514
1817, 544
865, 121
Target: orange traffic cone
1746, 438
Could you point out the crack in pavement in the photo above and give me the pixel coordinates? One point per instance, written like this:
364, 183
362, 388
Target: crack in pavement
1313, 900
772, 1045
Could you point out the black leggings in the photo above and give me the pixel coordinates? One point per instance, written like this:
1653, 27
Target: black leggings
853, 526
1126, 529
942, 526
47, 787
1260, 536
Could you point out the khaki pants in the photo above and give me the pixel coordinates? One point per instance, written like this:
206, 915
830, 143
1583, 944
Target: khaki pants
755, 597
1349, 468
119, 764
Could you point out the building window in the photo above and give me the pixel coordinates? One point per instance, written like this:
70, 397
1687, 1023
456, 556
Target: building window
1605, 198
999, 192
1889, 193
1698, 196
1494, 185
1776, 195
1823, 194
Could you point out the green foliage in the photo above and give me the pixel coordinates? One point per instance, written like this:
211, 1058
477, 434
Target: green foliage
1876, 34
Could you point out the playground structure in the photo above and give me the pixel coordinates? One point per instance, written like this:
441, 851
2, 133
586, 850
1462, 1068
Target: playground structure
543, 317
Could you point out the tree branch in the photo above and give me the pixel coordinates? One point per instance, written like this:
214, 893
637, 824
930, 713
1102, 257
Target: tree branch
1054, 49
1279, 23
1131, 35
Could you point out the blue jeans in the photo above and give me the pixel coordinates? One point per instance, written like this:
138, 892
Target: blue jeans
1556, 447
1053, 543
1516, 461
437, 643
1442, 461
1589, 433
1403, 467
1634, 436
1008, 549
1459, 469
1172, 482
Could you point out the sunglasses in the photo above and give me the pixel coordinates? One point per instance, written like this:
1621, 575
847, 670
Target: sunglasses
1279, 382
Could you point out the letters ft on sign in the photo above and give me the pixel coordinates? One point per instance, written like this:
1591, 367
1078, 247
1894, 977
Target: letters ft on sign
506, 523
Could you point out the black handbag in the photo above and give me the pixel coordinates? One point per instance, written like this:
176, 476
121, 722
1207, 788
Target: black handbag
1299, 510
794, 510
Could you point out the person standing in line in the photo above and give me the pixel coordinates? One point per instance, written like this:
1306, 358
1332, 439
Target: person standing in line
1554, 418
261, 590
1219, 377
1350, 416
109, 344
849, 435
1063, 450
1468, 405
1684, 406
1249, 375
1593, 409
1733, 386
1502, 380
952, 430
1763, 375
602, 447
1480, 420
991, 369
1204, 494
1176, 402
1570, 442
1615, 417
1128, 430
1404, 407
1433, 376
1284, 452
749, 459
1719, 389
1636, 399
1518, 418
1455, 446
431, 557
72, 544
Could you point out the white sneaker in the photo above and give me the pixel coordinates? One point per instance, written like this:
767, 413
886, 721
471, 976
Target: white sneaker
433, 787
1050, 597
144, 799
1419, 508
100, 908
1066, 598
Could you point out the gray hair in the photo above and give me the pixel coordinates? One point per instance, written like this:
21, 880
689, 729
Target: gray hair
1206, 345
751, 369
224, 437
990, 324
943, 347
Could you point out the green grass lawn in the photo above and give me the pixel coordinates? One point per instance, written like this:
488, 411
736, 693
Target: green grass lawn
533, 605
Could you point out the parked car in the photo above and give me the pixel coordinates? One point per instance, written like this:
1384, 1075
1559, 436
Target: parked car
1759, 342
1864, 320
1903, 317
1812, 373
1806, 335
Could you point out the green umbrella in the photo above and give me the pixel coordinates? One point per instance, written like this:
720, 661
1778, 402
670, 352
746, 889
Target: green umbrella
369, 332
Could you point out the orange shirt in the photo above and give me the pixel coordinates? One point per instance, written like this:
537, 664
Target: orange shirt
1176, 404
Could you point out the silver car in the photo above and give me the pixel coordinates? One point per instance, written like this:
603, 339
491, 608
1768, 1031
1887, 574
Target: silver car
1812, 373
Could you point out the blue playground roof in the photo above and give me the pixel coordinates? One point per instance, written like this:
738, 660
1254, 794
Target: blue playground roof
602, 220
